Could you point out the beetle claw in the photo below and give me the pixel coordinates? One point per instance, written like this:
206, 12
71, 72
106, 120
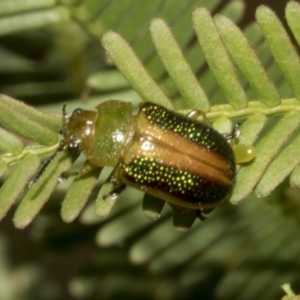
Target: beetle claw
235, 132
61, 179
114, 193
200, 215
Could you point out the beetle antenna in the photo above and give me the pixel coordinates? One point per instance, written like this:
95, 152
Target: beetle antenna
45, 165
60, 147
64, 113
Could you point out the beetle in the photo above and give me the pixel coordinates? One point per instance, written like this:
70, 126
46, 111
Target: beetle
166, 154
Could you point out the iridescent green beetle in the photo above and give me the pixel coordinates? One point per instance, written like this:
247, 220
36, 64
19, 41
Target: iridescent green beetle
168, 155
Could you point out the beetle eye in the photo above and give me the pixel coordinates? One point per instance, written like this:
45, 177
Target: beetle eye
76, 112
74, 146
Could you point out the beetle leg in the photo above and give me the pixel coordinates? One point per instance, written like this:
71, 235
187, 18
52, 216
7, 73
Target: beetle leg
200, 216
235, 132
86, 168
115, 192
195, 113
118, 185
204, 211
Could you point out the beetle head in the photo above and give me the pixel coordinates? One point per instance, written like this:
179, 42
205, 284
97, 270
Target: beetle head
77, 131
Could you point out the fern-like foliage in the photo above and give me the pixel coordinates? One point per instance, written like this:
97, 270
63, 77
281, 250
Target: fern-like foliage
200, 62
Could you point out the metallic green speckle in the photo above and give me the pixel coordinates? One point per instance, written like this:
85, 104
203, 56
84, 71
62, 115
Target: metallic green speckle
189, 187
199, 133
